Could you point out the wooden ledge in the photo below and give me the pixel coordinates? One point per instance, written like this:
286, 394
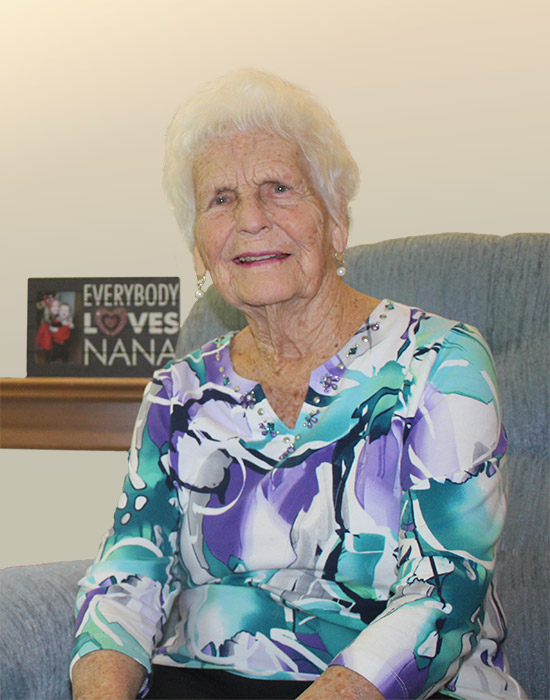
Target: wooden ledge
66, 413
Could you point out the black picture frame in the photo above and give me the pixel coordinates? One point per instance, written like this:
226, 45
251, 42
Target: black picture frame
101, 327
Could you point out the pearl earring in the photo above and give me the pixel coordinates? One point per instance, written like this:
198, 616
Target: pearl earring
341, 269
200, 284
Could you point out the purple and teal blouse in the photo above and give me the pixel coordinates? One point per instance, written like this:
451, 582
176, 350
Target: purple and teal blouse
364, 537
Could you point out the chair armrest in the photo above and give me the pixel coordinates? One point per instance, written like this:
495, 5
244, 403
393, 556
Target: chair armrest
36, 629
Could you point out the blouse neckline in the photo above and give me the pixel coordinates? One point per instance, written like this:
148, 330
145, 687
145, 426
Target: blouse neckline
324, 380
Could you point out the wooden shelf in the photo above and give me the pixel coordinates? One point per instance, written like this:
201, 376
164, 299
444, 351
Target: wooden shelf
69, 413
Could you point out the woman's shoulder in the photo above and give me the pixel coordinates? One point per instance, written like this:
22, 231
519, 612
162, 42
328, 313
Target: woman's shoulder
200, 354
427, 323
194, 363
436, 346
416, 334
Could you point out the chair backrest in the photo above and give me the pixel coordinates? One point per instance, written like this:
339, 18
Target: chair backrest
501, 285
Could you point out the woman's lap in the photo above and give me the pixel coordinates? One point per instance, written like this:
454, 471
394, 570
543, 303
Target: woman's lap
171, 683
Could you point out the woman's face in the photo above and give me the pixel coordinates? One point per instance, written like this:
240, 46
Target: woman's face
261, 230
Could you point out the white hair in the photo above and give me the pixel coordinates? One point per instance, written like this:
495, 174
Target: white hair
250, 100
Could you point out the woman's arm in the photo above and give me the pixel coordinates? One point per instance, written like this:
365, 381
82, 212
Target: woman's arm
338, 682
107, 675
126, 596
453, 482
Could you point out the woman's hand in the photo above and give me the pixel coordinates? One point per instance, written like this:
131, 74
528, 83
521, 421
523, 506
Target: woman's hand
107, 675
339, 682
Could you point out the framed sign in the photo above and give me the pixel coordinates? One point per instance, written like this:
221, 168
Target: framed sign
101, 327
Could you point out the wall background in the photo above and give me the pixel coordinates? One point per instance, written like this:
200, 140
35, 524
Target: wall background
444, 104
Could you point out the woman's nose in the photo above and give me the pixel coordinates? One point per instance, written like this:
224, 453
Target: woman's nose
251, 215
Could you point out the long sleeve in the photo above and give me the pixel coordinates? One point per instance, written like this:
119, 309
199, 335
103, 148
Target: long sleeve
126, 595
453, 483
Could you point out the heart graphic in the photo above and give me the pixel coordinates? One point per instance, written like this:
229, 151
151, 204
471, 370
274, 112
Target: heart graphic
111, 321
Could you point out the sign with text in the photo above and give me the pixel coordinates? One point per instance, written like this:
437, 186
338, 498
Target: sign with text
97, 327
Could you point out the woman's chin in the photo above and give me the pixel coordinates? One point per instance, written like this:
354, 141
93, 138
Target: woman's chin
258, 296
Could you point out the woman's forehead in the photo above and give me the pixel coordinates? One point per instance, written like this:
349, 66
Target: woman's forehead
248, 155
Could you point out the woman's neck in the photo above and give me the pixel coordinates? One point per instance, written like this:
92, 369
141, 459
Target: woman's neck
302, 333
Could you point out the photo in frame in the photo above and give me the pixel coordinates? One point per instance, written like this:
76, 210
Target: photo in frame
101, 327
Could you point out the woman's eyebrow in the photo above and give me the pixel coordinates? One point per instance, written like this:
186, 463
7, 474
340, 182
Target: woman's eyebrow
226, 188
211, 190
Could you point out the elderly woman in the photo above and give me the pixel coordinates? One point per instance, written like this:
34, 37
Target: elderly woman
313, 503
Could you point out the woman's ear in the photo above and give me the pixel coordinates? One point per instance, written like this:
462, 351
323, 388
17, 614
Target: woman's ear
198, 262
340, 234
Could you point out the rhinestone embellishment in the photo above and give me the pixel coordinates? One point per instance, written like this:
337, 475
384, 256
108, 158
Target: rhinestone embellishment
329, 381
268, 429
311, 419
248, 400
289, 450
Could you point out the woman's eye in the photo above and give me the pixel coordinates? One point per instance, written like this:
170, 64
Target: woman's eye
281, 188
220, 199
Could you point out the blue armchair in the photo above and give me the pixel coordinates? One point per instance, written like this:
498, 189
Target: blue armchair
499, 284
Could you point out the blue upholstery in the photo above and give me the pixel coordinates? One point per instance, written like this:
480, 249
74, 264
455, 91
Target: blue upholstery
499, 284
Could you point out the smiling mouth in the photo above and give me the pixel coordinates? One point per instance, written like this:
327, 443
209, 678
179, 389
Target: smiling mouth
247, 259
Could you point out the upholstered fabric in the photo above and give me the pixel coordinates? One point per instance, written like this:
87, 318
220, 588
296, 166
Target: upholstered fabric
36, 623
499, 284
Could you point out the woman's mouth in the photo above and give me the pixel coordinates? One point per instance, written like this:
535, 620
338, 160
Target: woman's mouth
249, 258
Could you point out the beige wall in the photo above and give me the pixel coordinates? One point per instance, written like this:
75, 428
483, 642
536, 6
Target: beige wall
443, 102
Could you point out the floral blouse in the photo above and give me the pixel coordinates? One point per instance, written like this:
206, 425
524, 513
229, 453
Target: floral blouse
365, 537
